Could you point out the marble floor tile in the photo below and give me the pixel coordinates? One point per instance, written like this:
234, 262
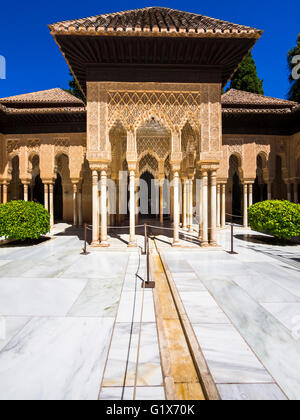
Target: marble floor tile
251, 392
98, 265
263, 289
55, 359
229, 358
188, 282
286, 313
100, 298
4, 262
38, 296
125, 312
154, 393
149, 372
268, 338
9, 327
202, 308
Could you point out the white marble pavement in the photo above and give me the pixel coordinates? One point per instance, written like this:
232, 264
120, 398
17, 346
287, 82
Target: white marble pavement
245, 311
122, 360
57, 312
62, 314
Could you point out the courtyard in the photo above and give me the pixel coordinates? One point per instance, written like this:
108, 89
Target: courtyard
81, 327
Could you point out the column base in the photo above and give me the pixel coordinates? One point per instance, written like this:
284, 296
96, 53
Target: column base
213, 243
204, 243
176, 244
94, 244
132, 244
104, 244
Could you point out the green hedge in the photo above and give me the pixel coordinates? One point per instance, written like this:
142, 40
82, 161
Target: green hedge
277, 218
23, 220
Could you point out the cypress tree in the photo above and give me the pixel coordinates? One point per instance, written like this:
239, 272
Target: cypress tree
246, 77
74, 89
294, 92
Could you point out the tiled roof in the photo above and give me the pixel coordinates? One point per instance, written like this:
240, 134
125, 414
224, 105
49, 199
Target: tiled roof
154, 20
237, 97
61, 110
53, 96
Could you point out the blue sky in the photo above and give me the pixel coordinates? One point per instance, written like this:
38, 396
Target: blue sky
34, 61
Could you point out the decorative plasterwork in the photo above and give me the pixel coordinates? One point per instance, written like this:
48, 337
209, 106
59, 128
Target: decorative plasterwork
170, 109
13, 145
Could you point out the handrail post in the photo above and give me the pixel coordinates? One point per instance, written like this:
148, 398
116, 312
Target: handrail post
232, 244
147, 284
85, 240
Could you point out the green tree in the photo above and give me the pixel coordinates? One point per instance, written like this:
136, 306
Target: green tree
246, 77
74, 89
294, 92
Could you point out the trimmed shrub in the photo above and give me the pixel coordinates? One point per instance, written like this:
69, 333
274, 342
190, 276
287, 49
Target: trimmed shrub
23, 220
277, 218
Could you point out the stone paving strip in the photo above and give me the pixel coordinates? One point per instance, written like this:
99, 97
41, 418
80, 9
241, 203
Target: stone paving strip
251, 354
119, 378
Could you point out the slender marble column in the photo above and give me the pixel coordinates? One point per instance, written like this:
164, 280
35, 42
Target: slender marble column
80, 207
218, 205
161, 200
1, 194
185, 206
95, 240
289, 191
25, 186
4, 187
51, 205
156, 184
132, 239
223, 217
200, 210
190, 214
245, 216
250, 193
103, 233
75, 204
176, 208
205, 209
269, 190
296, 192
213, 196
46, 201
137, 202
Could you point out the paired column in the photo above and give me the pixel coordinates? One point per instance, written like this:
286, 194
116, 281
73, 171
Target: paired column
190, 205
176, 208
51, 204
103, 230
245, 204
200, 210
184, 204
204, 240
296, 192
250, 195
161, 200
289, 191
132, 239
213, 213
75, 215
269, 190
218, 205
80, 207
4, 197
46, 195
25, 186
95, 234
223, 216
